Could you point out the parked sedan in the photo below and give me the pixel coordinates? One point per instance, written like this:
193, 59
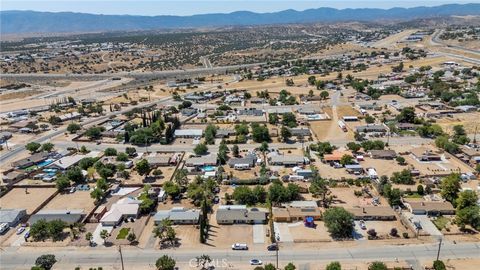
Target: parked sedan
272, 247
255, 262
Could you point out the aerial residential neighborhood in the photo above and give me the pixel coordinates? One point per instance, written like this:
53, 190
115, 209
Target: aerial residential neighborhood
324, 144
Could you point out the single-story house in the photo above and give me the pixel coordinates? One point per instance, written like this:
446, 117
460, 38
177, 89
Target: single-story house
425, 154
431, 208
66, 215
248, 161
124, 208
372, 213
70, 116
306, 173
13, 177
12, 216
406, 126
188, 111
22, 124
224, 133
188, 133
294, 214
250, 112
288, 160
201, 161
383, 154
156, 161
5, 136
308, 110
31, 160
300, 132
336, 155
240, 214
67, 162
372, 128
178, 215
354, 168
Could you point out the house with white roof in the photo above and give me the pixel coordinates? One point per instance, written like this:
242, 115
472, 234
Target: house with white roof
124, 208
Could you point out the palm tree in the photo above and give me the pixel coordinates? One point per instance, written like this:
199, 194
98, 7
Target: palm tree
203, 260
104, 235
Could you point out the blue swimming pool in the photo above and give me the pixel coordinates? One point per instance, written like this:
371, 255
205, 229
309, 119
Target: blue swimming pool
45, 163
208, 168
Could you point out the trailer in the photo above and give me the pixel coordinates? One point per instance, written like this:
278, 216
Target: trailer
342, 125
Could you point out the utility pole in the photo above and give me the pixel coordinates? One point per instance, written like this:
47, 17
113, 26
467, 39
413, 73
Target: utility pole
276, 242
121, 256
439, 246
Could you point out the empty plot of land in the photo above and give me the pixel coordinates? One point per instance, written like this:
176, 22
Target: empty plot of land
224, 236
345, 197
77, 200
382, 166
28, 199
302, 234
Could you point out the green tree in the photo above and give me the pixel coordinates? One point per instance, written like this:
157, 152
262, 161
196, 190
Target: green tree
334, 266
73, 128
200, 149
339, 222
104, 235
290, 266
97, 194
46, 261
47, 147
110, 152
407, 115
94, 133
324, 94
165, 263
369, 119
439, 265
75, 174
123, 157
468, 216
235, 150
62, 183
172, 189
89, 236
32, 147
143, 167
400, 160
354, 147
131, 237
450, 186
377, 266
39, 230
466, 199
210, 132
285, 133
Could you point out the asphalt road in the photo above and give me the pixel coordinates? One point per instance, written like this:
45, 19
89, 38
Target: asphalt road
135, 257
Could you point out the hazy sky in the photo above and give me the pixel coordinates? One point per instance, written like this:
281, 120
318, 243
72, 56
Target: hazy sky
189, 7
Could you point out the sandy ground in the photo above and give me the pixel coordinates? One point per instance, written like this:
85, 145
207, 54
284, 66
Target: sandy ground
77, 200
17, 198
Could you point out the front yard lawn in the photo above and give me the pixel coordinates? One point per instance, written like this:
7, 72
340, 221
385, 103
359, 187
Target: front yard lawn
123, 233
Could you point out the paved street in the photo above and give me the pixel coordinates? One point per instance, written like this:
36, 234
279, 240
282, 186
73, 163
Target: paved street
137, 257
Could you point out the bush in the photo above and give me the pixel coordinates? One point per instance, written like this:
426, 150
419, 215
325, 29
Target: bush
439, 265
405, 235
394, 232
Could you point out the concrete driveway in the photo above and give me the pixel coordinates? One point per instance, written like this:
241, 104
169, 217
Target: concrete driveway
428, 226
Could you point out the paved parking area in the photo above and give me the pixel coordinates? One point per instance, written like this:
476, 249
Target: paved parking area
282, 231
428, 226
258, 234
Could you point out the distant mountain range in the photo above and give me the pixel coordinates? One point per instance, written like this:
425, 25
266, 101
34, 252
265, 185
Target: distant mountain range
48, 22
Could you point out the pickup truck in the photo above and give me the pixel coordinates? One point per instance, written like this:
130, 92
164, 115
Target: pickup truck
238, 246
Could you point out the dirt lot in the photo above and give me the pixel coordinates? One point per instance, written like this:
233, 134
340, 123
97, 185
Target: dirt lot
329, 172
30, 200
300, 233
345, 197
77, 200
382, 166
468, 120
382, 228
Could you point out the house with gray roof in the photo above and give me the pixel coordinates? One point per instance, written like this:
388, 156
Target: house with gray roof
250, 112
288, 160
240, 214
201, 161
12, 216
372, 128
242, 161
31, 160
178, 215
300, 132
66, 215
